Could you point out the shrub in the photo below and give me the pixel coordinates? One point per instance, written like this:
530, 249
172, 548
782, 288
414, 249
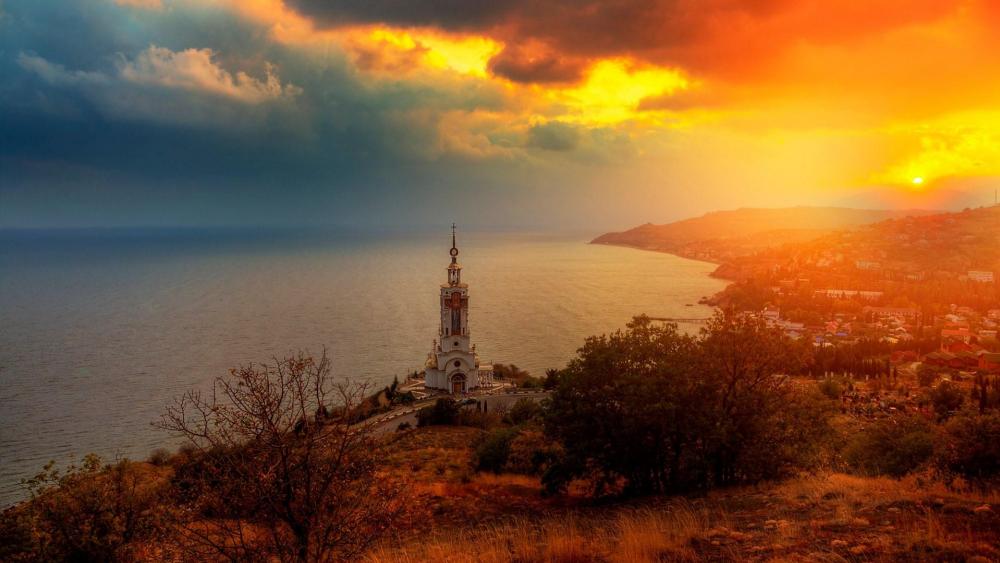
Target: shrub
442, 412
197, 483
523, 411
551, 379
831, 388
947, 398
18, 540
302, 484
476, 419
90, 512
160, 457
529, 453
970, 447
492, 453
532, 382
926, 375
891, 447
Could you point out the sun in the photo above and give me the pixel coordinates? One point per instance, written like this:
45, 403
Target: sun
917, 181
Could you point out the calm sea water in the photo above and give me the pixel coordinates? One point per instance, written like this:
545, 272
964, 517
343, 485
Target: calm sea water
100, 330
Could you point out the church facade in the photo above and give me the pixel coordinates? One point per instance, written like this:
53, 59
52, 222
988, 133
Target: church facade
453, 364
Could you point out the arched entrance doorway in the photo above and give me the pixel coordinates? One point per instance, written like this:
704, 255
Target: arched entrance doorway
458, 383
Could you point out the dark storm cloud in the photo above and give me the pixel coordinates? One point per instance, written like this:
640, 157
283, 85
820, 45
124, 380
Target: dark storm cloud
730, 38
181, 117
577, 29
449, 14
521, 65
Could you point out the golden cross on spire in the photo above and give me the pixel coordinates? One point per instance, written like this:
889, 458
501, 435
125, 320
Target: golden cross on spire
454, 247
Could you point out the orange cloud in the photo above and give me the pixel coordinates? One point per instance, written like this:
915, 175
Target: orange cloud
871, 88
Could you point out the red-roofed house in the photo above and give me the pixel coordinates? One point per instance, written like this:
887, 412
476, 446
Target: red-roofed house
960, 334
957, 346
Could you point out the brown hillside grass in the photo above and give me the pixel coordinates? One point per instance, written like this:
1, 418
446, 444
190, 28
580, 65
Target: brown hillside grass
641, 535
825, 517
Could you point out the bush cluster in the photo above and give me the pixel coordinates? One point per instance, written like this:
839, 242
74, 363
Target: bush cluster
892, 447
967, 445
650, 410
443, 412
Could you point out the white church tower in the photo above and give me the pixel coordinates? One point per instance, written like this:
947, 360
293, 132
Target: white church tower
453, 364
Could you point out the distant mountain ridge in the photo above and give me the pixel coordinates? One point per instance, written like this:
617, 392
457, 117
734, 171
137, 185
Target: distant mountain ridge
720, 235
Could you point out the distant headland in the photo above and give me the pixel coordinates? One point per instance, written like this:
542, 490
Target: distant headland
722, 235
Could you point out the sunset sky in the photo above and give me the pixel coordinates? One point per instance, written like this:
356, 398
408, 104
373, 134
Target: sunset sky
508, 113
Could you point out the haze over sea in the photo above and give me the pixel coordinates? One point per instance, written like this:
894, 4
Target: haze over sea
101, 329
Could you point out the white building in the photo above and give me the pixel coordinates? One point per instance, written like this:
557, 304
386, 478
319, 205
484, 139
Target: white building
453, 364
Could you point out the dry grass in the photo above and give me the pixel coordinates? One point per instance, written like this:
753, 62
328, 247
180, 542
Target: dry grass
465, 517
828, 517
630, 536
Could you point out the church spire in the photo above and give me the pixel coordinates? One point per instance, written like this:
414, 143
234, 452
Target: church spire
454, 270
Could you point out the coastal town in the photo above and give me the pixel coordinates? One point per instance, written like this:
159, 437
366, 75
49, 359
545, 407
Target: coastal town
923, 286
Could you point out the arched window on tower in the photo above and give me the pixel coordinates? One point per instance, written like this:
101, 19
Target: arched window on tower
455, 304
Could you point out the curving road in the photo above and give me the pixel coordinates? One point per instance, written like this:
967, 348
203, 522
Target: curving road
390, 421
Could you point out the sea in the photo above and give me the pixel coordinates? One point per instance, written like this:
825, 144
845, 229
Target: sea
101, 329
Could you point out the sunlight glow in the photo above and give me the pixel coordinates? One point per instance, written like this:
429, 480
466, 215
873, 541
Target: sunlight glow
465, 55
613, 89
958, 145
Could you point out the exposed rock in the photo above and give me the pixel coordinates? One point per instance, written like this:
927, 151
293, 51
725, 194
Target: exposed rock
739, 536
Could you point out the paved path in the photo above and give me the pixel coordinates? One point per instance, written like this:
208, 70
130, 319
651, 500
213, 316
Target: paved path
389, 421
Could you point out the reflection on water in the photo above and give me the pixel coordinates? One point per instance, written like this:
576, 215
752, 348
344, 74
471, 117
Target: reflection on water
100, 330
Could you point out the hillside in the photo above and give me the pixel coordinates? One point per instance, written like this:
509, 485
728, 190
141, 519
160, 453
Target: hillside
948, 242
720, 235
828, 516
924, 249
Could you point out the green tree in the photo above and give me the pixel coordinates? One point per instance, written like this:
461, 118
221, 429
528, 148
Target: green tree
756, 429
530, 452
892, 447
970, 447
443, 412
619, 410
523, 411
947, 398
492, 453
926, 375
654, 410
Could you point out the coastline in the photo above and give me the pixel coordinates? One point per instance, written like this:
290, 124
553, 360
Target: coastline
659, 250
707, 300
